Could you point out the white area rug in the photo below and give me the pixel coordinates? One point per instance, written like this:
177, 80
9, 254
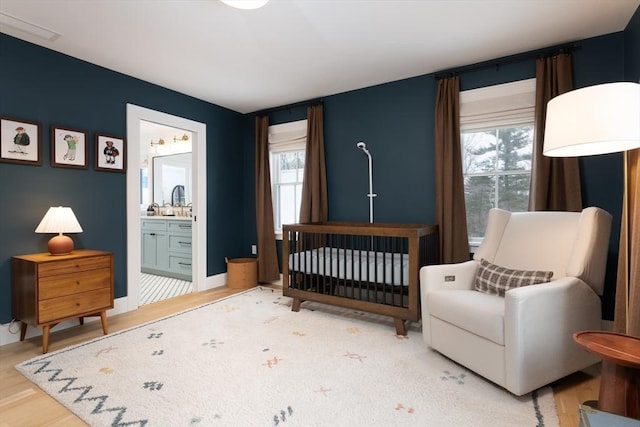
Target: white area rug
248, 360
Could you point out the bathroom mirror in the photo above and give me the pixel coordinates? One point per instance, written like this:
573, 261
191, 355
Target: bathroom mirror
172, 179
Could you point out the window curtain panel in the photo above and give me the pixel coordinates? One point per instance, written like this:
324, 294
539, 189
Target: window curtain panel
314, 185
451, 214
268, 270
627, 308
555, 181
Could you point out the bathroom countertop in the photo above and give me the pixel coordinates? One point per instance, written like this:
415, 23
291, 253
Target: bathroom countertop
171, 217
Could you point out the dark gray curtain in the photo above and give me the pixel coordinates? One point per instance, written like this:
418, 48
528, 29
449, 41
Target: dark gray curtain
451, 214
555, 181
314, 186
268, 270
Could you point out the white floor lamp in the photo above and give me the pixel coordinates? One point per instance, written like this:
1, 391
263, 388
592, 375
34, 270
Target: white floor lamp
597, 120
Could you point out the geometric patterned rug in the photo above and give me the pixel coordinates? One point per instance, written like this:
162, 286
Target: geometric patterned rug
248, 360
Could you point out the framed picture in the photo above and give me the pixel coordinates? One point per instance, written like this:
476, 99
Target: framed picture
68, 148
110, 153
20, 141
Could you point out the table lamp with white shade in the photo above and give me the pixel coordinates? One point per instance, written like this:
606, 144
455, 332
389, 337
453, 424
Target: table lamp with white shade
595, 120
59, 220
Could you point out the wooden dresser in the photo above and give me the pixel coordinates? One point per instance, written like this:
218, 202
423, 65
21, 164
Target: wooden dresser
48, 289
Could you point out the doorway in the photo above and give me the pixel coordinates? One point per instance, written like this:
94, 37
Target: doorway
136, 207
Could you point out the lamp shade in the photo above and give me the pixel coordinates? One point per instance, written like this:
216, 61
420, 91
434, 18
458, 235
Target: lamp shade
245, 4
593, 120
59, 220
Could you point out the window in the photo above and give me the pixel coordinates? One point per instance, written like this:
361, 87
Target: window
287, 143
496, 125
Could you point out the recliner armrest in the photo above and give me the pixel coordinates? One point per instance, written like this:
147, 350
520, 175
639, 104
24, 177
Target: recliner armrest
448, 276
539, 324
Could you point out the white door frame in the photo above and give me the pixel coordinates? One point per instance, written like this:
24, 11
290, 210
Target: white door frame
199, 233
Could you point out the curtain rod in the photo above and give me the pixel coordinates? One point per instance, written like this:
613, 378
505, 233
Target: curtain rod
542, 53
289, 106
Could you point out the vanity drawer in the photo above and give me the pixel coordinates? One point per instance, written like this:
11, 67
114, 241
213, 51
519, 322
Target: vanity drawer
154, 225
180, 243
83, 303
71, 266
179, 226
180, 264
57, 286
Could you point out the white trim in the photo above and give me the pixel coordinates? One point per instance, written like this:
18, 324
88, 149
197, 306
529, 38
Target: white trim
199, 147
121, 305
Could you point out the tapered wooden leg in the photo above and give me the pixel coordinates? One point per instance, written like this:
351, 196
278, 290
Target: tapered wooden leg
401, 326
295, 306
103, 319
45, 338
23, 330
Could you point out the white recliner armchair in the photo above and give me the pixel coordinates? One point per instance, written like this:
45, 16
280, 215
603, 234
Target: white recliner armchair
524, 339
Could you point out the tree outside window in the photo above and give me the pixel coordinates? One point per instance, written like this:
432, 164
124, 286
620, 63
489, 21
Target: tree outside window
497, 171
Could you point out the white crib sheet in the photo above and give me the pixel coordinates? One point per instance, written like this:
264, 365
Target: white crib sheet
366, 266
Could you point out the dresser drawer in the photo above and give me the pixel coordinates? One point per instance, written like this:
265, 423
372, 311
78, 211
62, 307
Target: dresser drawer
73, 265
61, 285
74, 305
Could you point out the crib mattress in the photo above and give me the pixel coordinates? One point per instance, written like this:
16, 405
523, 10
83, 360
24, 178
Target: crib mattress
356, 265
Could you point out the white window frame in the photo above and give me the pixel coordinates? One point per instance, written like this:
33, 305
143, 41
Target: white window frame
284, 138
494, 107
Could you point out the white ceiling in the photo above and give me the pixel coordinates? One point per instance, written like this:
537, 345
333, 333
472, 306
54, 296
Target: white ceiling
296, 50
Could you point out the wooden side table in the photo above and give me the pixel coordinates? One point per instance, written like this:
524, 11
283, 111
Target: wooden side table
48, 289
620, 376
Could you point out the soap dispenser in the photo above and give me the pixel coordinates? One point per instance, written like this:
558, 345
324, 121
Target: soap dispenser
151, 211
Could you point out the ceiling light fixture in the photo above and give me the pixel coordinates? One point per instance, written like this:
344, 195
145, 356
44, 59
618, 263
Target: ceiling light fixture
27, 27
245, 4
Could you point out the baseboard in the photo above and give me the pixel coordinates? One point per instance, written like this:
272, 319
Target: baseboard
10, 332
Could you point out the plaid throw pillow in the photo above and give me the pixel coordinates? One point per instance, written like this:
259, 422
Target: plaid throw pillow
495, 280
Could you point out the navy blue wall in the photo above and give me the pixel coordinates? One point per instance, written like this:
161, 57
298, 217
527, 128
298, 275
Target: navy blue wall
396, 121
44, 86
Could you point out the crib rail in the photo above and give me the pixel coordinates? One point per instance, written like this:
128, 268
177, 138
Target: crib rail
369, 267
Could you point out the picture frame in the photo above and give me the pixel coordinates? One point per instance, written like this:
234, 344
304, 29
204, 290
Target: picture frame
20, 141
110, 153
69, 148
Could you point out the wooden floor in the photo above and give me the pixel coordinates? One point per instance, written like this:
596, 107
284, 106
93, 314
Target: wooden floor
23, 404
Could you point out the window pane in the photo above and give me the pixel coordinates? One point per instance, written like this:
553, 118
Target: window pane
287, 205
479, 196
478, 152
515, 148
287, 177
513, 192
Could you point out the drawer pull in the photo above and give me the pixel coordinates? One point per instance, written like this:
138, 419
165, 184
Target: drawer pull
77, 304
77, 283
184, 226
152, 234
184, 263
185, 243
